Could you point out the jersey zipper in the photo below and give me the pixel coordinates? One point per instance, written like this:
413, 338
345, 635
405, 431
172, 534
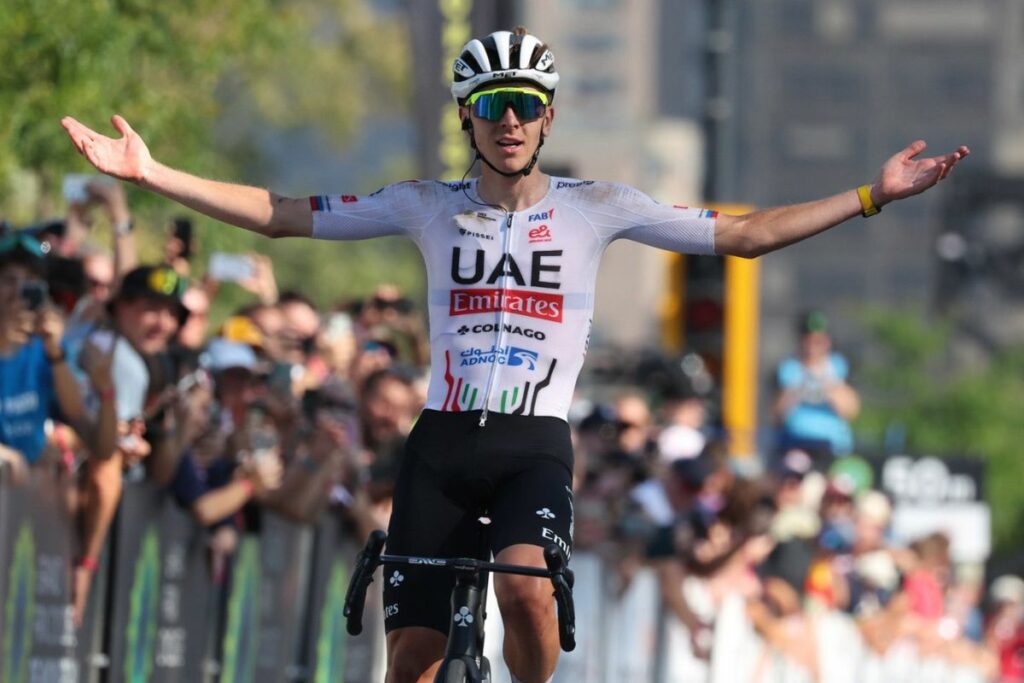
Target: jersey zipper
506, 254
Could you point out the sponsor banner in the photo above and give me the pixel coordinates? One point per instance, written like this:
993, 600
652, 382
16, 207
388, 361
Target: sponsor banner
938, 494
159, 610
331, 654
540, 305
512, 356
267, 599
37, 636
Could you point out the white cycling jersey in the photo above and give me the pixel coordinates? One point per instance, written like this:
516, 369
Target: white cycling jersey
511, 295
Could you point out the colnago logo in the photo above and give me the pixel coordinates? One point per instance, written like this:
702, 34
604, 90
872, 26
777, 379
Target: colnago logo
548, 215
427, 560
512, 356
540, 234
542, 305
508, 328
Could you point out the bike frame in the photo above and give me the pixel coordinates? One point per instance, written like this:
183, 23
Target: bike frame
468, 597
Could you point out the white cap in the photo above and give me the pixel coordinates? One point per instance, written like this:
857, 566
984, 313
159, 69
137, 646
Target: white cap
679, 442
1007, 588
224, 354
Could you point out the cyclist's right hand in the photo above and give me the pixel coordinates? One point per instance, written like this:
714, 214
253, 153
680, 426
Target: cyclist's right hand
127, 158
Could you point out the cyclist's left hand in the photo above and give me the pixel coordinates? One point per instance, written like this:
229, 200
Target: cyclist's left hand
904, 176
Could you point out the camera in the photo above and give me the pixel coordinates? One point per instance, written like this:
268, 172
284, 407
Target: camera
33, 293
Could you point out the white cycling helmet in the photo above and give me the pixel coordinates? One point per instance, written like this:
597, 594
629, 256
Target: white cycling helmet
503, 56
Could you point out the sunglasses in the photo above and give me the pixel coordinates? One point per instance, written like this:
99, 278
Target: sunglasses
527, 104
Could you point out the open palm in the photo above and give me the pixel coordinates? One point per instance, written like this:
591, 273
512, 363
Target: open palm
904, 176
126, 158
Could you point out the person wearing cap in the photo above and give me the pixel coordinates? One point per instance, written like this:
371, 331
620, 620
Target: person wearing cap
815, 403
144, 316
34, 373
210, 479
511, 259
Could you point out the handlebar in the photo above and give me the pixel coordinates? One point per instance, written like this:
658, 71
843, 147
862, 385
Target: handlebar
370, 557
366, 563
562, 579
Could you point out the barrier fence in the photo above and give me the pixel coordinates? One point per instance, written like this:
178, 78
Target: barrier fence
157, 611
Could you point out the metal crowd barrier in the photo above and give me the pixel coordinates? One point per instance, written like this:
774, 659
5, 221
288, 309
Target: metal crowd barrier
156, 612
629, 636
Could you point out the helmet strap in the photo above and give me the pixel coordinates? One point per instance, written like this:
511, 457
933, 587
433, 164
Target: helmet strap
467, 125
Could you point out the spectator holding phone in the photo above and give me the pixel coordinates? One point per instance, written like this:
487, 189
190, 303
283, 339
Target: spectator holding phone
144, 316
33, 370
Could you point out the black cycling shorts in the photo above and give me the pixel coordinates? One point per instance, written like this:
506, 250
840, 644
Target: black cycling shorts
516, 470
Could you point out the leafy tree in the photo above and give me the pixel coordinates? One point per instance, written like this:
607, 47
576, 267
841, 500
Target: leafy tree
196, 78
917, 382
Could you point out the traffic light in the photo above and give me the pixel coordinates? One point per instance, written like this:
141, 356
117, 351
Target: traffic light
711, 308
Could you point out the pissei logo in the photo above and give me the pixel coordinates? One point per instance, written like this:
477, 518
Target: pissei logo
140, 636
19, 612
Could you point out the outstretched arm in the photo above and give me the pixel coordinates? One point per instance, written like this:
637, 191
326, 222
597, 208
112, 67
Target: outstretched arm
252, 208
769, 229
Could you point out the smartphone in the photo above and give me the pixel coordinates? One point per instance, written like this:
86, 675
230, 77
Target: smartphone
338, 325
230, 267
74, 187
33, 293
262, 436
196, 378
183, 231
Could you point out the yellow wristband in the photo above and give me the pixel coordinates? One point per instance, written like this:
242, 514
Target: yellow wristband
867, 205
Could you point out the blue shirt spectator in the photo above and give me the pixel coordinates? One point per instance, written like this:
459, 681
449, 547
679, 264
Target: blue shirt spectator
26, 393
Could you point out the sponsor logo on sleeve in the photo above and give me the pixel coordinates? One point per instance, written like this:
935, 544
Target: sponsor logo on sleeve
701, 213
349, 198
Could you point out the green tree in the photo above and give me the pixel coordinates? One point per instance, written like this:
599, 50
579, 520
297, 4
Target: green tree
165, 66
914, 381
194, 77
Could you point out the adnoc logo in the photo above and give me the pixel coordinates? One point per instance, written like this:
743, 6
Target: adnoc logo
330, 646
19, 612
242, 634
140, 637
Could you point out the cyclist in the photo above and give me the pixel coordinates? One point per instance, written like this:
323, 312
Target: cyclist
511, 262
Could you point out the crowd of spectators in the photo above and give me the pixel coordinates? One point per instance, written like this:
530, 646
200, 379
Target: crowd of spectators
111, 370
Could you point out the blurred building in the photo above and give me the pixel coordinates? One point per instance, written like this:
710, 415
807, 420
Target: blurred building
824, 92
628, 110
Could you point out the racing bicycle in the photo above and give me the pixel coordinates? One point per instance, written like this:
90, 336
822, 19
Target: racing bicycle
464, 661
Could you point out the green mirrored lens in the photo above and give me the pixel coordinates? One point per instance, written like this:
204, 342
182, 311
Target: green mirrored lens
492, 105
